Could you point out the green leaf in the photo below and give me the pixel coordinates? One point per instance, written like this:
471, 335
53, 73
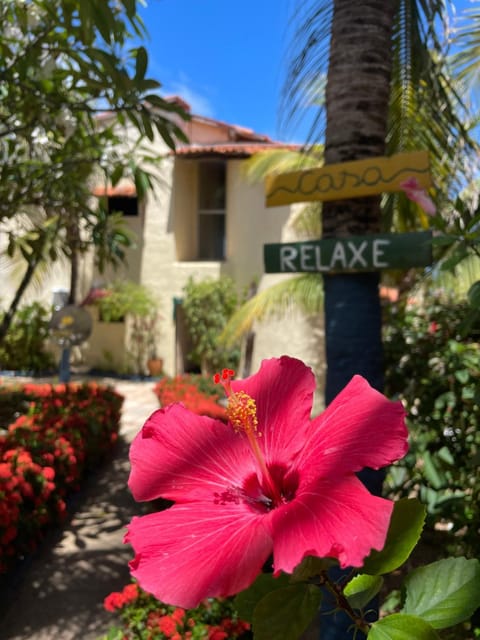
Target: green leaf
117, 174
473, 295
442, 241
311, 566
399, 626
445, 456
141, 63
432, 474
462, 375
284, 614
247, 600
361, 589
403, 534
444, 593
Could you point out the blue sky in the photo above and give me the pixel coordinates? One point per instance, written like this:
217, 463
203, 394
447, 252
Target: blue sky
226, 58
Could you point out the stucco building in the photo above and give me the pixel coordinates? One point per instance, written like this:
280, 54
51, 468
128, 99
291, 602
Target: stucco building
202, 219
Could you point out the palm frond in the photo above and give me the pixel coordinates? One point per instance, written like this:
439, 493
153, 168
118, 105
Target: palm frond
427, 109
304, 87
304, 291
428, 105
263, 163
466, 39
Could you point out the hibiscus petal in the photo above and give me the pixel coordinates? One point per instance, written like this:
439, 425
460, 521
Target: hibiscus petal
336, 519
191, 552
181, 456
283, 391
359, 429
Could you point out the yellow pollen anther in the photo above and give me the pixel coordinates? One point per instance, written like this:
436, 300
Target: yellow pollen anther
242, 412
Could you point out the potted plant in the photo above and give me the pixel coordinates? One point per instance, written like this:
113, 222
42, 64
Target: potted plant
145, 331
136, 305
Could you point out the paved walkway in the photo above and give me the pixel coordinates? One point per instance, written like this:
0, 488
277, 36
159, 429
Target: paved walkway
59, 594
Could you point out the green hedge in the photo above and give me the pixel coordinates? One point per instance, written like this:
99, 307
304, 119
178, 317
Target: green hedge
435, 371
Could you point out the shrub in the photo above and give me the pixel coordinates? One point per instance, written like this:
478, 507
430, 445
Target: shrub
436, 374
124, 298
44, 455
145, 618
24, 346
186, 389
208, 305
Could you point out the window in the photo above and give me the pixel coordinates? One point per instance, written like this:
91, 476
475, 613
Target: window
127, 205
211, 210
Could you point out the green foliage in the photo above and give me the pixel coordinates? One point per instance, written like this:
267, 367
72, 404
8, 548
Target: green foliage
24, 347
208, 305
65, 61
436, 373
124, 298
361, 589
62, 63
304, 290
247, 600
444, 592
128, 300
143, 617
436, 596
404, 532
295, 606
402, 627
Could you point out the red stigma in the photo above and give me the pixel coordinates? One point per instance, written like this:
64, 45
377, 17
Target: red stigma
225, 376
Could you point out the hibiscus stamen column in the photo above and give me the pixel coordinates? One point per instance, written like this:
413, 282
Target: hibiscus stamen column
242, 414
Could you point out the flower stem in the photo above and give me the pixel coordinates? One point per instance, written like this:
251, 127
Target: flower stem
342, 603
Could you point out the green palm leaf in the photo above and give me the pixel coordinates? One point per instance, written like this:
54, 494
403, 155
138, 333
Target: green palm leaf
304, 291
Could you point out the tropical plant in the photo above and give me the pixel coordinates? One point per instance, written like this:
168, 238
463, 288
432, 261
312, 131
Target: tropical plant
123, 298
422, 108
208, 304
436, 372
25, 345
63, 62
127, 300
379, 59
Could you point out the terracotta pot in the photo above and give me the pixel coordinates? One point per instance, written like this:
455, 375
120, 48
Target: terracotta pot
155, 366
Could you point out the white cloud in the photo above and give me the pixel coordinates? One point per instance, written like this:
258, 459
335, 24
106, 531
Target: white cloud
199, 102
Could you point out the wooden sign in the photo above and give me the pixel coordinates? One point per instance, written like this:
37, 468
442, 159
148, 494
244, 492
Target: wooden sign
348, 180
355, 253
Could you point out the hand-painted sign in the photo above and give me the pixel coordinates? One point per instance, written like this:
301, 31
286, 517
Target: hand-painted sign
354, 253
355, 179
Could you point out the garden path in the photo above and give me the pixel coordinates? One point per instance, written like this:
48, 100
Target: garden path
59, 594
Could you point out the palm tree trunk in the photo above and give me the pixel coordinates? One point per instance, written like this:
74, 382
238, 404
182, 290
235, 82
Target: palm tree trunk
357, 99
11, 311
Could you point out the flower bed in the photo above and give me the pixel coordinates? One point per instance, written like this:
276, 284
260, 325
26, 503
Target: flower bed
196, 393
44, 454
145, 618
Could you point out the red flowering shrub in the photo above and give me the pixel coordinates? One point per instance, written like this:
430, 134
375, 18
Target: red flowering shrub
44, 455
145, 618
194, 392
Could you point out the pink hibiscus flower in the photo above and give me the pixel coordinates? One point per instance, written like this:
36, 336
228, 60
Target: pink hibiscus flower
416, 193
272, 480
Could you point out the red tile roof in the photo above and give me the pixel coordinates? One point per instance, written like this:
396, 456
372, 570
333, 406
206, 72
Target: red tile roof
126, 190
231, 150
